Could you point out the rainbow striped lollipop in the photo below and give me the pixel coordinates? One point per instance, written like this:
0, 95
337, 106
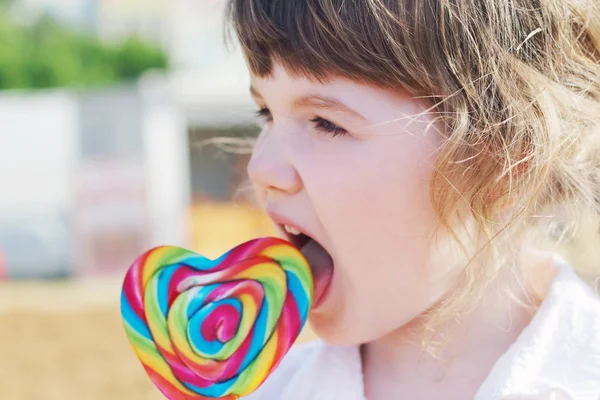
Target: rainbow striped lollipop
215, 329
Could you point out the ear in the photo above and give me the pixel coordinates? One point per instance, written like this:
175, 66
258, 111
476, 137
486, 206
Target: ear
511, 201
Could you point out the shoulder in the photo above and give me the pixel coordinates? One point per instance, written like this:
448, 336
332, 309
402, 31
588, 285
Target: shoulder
558, 352
570, 319
570, 307
560, 349
576, 305
567, 339
316, 363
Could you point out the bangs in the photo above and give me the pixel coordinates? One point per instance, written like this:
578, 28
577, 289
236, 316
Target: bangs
319, 39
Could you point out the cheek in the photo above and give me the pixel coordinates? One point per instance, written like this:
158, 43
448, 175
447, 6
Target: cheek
379, 219
381, 195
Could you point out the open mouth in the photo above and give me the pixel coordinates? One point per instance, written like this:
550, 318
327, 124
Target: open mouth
320, 261
299, 241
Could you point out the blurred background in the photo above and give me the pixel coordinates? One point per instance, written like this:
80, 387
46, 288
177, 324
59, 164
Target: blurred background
106, 109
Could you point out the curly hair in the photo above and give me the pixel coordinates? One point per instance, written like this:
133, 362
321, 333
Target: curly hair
515, 84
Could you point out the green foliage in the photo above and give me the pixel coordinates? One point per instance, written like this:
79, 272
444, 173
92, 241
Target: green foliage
133, 57
46, 55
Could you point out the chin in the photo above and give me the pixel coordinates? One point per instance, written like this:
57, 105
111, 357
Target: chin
334, 331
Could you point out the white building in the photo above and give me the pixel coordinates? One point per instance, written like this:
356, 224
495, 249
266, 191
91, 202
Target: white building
90, 179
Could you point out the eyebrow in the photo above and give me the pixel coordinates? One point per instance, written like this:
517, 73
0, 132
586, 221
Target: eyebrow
317, 101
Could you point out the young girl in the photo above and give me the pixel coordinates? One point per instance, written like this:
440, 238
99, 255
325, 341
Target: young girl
407, 148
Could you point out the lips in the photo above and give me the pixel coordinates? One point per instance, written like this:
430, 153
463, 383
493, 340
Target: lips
320, 261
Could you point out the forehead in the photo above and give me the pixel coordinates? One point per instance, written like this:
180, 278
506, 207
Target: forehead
282, 84
279, 75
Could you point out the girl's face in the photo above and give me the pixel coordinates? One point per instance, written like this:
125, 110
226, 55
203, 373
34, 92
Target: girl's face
350, 164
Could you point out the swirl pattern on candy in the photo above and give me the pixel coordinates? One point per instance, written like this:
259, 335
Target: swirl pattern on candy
215, 329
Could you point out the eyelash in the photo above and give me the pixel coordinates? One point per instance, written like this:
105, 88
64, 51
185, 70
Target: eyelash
320, 123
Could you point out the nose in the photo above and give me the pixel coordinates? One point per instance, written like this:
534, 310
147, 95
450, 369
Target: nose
270, 168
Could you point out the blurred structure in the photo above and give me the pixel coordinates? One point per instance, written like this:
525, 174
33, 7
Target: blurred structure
37, 157
93, 177
83, 196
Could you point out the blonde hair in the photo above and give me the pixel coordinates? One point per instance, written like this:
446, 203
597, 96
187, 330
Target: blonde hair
516, 86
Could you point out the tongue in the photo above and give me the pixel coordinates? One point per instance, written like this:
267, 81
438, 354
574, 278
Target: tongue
321, 265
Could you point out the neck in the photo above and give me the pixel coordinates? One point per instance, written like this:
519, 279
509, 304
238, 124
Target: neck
397, 363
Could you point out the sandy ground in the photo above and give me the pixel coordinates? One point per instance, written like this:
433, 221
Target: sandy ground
66, 341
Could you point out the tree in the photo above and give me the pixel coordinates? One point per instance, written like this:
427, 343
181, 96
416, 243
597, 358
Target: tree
133, 57
46, 55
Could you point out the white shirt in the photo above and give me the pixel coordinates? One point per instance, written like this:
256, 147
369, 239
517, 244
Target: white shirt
557, 356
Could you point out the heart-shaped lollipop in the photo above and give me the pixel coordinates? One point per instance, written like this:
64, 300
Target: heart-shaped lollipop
215, 329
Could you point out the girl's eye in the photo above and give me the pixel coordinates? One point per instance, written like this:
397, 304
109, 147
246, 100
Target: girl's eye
264, 115
328, 127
